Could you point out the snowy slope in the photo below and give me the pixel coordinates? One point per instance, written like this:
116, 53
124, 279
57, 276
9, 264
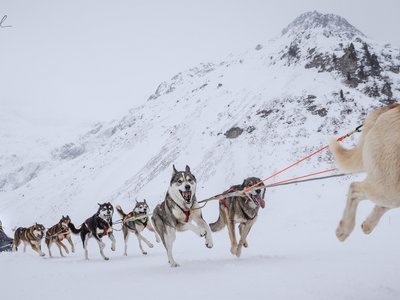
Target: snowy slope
248, 115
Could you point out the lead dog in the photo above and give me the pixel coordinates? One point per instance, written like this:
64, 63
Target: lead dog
30, 236
97, 226
177, 211
137, 225
57, 233
240, 209
377, 154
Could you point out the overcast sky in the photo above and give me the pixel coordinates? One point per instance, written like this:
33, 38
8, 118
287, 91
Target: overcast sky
83, 61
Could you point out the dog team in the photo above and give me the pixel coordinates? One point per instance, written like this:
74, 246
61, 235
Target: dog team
377, 154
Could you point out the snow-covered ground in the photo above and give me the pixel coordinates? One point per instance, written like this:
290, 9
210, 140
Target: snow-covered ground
293, 254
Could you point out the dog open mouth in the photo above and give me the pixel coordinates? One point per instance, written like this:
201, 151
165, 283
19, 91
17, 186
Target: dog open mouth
187, 195
258, 200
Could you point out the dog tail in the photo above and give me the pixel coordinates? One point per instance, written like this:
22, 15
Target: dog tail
74, 229
120, 211
347, 160
217, 225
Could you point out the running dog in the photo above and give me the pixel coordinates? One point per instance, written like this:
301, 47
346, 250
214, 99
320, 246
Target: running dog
57, 233
97, 226
137, 225
30, 236
377, 154
240, 209
177, 211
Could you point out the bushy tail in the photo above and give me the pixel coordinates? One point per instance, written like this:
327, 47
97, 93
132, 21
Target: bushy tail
347, 160
120, 211
217, 225
74, 229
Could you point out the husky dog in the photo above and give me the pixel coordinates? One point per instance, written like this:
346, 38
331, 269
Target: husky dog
177, 211
97, 226
137, 226
242, 210
30, 236
59, 232
377, 154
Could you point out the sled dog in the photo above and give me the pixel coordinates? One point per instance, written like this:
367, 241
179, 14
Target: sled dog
177, 211
142, 221
378, 154
242, 210
97, 226
30, 236
57, 233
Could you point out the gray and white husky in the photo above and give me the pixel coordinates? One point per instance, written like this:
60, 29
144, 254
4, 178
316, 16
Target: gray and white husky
137, 225
176, 212
242, 209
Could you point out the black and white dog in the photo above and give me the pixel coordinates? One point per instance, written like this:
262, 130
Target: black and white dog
97, 226
177, 211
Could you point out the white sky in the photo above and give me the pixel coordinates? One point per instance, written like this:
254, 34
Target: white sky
81, 61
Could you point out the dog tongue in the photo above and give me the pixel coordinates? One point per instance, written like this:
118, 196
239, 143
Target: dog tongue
260, 201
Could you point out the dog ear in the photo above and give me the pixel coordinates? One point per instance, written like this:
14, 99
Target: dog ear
98, 204
174, 170
144, 200
187, 169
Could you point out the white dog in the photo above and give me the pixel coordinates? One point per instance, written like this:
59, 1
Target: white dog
377, 154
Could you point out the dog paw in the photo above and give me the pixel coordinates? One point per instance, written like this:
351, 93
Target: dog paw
174, 265
245, 244
42, 254
366, 227
234, 250
151, 246
73, 250
203, 233
238, 251
341, 232
209, 245
106, 258
144, 253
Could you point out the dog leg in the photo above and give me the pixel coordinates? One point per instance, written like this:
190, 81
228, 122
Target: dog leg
61, 245
102, 245
85, 239
59, 248
140, 242
25, 244
197, 217
151, 228
373, 219
241, 225
71, 243
38, 249
148, 243
112, 238
126, 237
231, 230
169, 241
243, 235
49, 243
346, 225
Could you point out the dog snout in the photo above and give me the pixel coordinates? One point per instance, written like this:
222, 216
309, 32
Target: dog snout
187, 187
258, 191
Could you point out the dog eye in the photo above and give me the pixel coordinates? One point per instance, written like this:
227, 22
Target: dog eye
180, 181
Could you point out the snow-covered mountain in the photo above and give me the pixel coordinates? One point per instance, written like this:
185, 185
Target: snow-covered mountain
247, 115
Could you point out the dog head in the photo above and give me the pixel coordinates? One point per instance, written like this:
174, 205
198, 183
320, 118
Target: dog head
183, 186
64, 222
256, 194
141, 207
38, 230
105, 211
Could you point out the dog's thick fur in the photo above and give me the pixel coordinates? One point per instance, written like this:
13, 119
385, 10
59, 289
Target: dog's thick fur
97, 226
377, 154
136, 226
57, 233
177, 211
30, 236
242, 210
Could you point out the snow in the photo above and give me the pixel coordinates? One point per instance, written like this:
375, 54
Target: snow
293, 251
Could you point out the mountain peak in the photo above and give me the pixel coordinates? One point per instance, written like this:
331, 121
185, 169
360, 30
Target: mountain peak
329, 24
